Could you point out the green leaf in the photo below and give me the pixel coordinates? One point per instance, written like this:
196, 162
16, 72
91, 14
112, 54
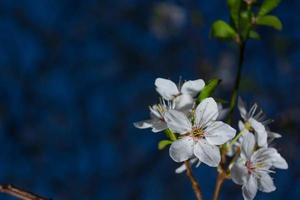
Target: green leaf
234, 8
222, 30
163, 143
170, 134
270, 20
208, 89
254, 35
267, 6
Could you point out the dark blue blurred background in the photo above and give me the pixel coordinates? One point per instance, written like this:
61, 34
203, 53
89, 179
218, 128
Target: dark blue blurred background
75, 75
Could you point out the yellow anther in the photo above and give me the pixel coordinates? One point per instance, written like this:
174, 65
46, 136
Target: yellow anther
198, 132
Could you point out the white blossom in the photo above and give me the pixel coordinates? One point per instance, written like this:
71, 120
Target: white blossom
200, 138
252, 169
182, 96
255, 122
156, 121
178, 98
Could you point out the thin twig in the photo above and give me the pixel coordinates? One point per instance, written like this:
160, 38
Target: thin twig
219, 183
221, 174
194, 182
19, 193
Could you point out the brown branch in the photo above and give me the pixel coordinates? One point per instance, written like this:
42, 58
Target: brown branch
19, 193
195, 184
223, 173
219, 183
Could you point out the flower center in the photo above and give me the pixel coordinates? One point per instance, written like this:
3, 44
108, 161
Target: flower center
248, 126
197, 133
250, 166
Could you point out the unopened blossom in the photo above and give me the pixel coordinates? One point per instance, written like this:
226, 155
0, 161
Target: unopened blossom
200, 136
254, 122
182, 96
252, 169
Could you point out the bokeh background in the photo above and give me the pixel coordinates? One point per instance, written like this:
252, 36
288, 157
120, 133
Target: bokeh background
75, 75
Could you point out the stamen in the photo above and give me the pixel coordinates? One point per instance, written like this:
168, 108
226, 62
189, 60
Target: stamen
250, 167
197, 133
252, 110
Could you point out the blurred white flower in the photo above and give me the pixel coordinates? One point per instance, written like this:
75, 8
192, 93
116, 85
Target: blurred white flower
252, 169
168, 19
182, 96
199, 139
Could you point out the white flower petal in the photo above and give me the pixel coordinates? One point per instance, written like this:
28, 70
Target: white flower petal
264, 156
279, 162
250, 188
218, 133
159, 126
206, 111
184, 102
241, 125
192, 87
166, 88
182, 149
239, 173
182, 167
143, 124
242, 108
265, 183
223, 112
260, 132
199, 163
206, 153
154, 112
177, 122
248, 145
274, 135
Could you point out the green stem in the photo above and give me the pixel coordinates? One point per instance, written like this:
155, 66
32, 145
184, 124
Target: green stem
170, 135
236, 138
237, 80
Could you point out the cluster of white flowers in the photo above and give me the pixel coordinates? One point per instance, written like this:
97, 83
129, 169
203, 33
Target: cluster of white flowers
200, 133
257, 158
